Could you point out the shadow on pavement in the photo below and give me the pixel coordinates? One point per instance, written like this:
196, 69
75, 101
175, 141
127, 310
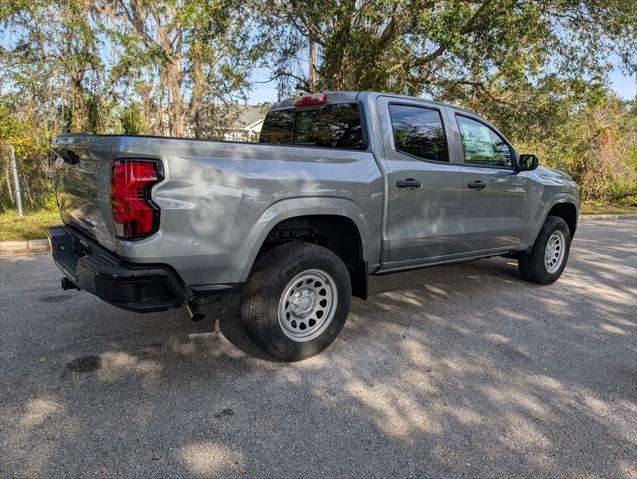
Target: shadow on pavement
452, 371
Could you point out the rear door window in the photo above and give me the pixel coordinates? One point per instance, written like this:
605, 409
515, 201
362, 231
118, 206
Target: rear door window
418, 131
331, 126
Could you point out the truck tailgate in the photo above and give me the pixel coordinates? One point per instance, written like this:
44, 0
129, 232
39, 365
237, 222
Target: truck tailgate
84, 185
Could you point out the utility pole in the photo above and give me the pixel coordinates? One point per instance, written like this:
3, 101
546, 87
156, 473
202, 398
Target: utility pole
16, 181
312, 75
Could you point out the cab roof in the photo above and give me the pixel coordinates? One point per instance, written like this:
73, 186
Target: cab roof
353, 96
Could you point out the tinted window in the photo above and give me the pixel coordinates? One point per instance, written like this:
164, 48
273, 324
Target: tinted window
331, 126
482, 145
419, 132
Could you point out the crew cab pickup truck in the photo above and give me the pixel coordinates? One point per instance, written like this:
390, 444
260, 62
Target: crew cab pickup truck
340, 186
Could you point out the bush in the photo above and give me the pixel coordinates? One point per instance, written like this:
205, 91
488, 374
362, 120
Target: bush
51, 203
597, 146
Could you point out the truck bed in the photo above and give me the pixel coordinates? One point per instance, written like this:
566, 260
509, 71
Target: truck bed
216, 199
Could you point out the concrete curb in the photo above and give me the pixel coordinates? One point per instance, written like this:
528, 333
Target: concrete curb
608, 217
24, 247
42, 245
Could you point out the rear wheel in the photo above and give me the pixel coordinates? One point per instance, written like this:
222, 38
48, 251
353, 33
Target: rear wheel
547, 259
296, 300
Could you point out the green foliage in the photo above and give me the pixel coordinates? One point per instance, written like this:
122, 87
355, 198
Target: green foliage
51, 203
595, 144
132, 120
32, 226
456, 49
185, 62
537, 69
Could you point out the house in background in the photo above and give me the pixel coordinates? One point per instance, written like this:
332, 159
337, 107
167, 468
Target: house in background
248, 125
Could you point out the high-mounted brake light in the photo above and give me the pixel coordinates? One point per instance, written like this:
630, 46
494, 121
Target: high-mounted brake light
134, 213
311, 100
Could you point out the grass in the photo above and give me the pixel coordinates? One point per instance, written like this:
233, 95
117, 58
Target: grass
34, 225
31, 226
602, 209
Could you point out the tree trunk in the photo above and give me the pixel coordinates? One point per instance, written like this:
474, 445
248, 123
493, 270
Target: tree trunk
78, 116
198, 86
312, 73
177, 115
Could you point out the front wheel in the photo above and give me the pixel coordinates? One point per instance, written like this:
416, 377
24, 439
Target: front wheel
296, 300
547, 259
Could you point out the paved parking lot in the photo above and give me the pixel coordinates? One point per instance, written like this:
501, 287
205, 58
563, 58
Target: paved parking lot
454, 371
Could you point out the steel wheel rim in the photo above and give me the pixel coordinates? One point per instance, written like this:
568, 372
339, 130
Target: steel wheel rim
307, 305
554, 251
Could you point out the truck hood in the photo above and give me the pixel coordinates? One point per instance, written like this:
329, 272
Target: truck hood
552, 175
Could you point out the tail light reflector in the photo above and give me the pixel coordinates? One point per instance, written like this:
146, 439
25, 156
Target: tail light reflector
134, 213
311, 100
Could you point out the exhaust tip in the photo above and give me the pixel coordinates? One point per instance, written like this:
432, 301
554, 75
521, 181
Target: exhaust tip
66, 283
195, 312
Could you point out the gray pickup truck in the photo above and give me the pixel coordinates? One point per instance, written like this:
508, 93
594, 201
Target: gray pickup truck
341, 185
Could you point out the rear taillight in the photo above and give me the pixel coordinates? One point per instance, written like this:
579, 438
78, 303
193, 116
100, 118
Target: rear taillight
311, 100
134, 213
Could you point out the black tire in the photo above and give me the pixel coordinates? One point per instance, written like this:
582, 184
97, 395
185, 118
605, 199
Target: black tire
532, 266
268, 281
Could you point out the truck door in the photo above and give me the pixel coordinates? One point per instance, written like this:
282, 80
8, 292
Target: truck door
424, 190
495, 204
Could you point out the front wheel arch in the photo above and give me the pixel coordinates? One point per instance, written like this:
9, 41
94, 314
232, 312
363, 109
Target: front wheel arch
568, 212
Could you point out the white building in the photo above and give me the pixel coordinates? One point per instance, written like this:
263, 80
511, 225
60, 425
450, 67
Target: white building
248, 125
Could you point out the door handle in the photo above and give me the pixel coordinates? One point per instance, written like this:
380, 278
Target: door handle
477, 185
408, 183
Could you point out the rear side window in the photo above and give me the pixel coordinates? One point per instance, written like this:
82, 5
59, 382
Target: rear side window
331, 126
277, 128
482, 145
418, 131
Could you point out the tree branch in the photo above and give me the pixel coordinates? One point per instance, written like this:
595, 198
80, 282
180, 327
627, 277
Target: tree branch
138, 25
468, 28
313, 31
389, 33
303, 81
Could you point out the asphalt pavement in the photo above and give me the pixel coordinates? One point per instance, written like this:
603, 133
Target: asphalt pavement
452, 371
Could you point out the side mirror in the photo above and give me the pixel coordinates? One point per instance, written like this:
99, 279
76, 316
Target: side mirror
527, 162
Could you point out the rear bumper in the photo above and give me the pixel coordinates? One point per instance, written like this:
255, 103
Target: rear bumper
94, 269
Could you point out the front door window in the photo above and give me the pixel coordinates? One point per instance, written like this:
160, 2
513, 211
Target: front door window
483, 146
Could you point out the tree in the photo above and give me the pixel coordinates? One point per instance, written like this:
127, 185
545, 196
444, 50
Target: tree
179, 68
51, 76
597, 145
191, 57
54, 61
463, 48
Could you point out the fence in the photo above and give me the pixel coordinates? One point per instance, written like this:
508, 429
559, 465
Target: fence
26, 184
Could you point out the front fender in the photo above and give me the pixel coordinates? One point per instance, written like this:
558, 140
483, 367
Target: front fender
537, 221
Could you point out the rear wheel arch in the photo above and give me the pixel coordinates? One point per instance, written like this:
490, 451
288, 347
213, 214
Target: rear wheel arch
338, 233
